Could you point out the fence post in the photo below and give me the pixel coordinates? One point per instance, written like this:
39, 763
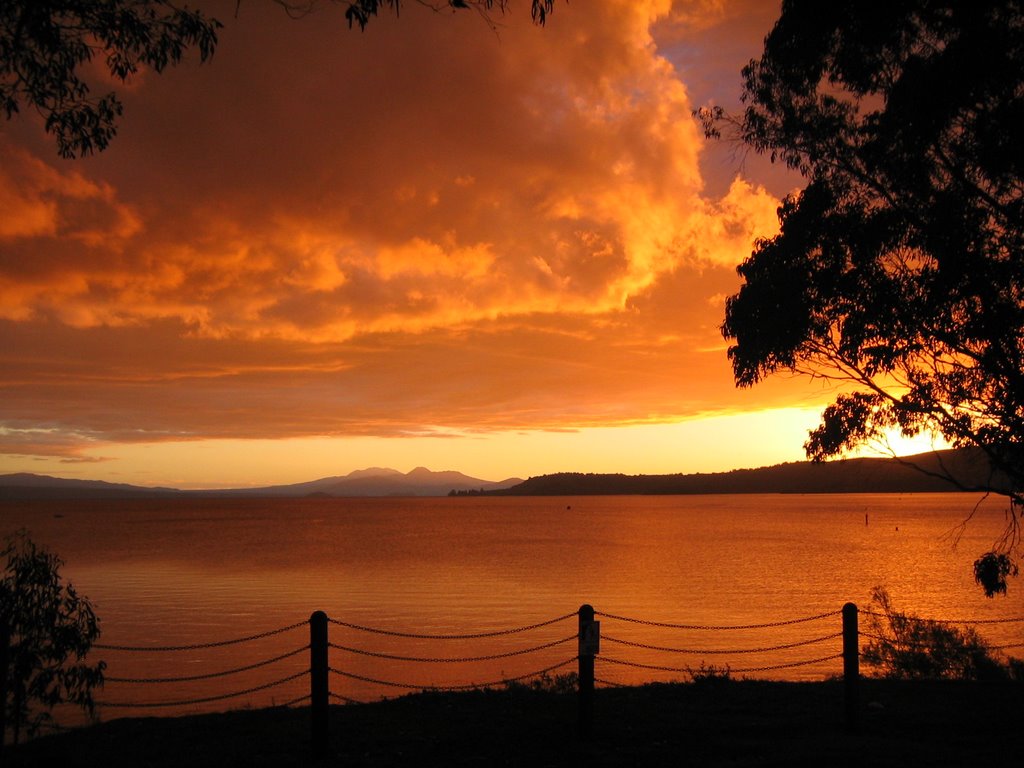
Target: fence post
318, 685
851, 665
585, 659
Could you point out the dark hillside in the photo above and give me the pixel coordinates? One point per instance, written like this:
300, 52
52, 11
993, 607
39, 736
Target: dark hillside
913, 474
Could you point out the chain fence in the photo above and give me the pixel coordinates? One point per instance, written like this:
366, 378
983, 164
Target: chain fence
469, 636
411, 672
505, 681
153, 659
644, 656
921, 643
626, 659
151, 652
719, 627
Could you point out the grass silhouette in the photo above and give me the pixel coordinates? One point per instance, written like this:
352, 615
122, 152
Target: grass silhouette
721, 723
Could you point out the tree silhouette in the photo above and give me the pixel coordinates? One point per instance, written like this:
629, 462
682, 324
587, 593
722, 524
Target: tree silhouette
898, 268
46, 630
45, 46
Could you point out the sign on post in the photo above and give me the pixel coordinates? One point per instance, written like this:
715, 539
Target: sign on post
590, 639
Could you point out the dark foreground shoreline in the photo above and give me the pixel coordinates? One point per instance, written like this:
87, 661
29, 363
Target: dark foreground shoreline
708, 723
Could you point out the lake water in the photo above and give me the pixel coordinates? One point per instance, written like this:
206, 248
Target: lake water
184, 572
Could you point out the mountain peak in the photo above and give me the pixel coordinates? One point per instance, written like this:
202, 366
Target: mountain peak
373, 472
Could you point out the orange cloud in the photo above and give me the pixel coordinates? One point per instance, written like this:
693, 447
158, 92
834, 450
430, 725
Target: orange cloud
419, 227
41, 201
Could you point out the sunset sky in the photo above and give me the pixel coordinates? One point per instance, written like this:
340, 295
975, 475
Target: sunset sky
423, 244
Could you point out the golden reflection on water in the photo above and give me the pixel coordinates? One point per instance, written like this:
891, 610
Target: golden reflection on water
184, 572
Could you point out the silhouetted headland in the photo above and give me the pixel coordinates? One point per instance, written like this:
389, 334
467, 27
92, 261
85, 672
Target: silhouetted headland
923, 473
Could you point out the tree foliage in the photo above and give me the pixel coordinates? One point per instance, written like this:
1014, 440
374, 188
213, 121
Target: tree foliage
49, 629
46, 47
361, 11
898, 268
991, 570
905, 647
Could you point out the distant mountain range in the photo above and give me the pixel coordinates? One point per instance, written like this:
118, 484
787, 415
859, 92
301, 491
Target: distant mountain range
379, 481
375, 481
913, 474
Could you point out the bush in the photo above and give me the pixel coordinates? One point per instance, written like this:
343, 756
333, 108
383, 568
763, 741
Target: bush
46, 629
905, 647
709, 674
547, 683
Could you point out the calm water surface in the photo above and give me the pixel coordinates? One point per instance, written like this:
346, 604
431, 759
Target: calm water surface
182, 572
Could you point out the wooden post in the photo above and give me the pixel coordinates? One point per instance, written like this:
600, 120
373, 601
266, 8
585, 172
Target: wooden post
318, 684
851, 665
586, 671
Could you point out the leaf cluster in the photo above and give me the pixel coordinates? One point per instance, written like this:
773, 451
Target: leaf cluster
46, 47
50, 629
360, 12
991, 570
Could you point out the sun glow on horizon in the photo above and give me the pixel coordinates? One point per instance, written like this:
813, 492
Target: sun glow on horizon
712, 444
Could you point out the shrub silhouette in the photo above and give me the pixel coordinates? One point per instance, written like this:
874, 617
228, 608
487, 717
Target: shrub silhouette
46, 629
905, 647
